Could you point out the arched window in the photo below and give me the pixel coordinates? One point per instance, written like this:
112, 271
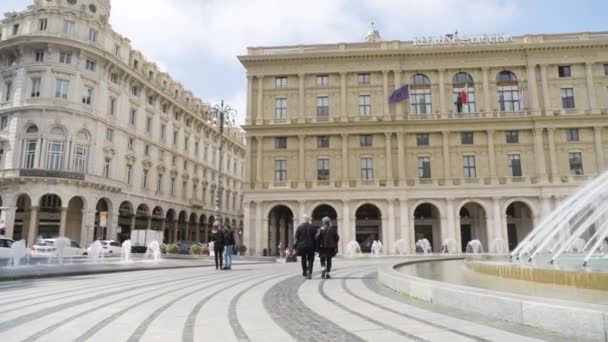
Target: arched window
463, 93
56, 149
420, 95
80, 152
32, 129
30, 147
509, 99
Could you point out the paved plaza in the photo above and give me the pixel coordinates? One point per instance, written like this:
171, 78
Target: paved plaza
253, 302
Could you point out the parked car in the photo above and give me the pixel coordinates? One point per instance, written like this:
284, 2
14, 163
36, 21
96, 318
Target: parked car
141, 249
184, 246
109, 247
46, 247
5, 248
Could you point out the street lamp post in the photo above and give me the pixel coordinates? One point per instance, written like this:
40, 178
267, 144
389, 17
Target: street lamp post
221, 111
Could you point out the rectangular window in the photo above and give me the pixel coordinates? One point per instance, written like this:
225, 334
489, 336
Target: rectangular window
144, 182
62, 89
280, 108
514, 165
55, 155
512, 137
129, 174
280, 170
109, 134
116, 49
112, 106
162, 132
114, 78
196, 144
90, 65
79, 159
469, 167
572, 134
466, 138
322, 80
174, 161
175, 138
151, 100
323, 169
147, 150
185, 165
43, 24
420, 100
39, 56
567, 98
605, 69
365, 140
323, 141
280, 82
186, 143
508, 98
422, 139
132, 117
576, 163
367, 169
3, 122
322, 107
148, 125
8, 90
365, 106
424, 167
564, 71
280, 142
173, 186
29, 160
159, 184
134, 91
36, 82
131, 144
92, 36
106, 167
87, 96
68, 26
15, 29
65, 57
363, 78
165, 108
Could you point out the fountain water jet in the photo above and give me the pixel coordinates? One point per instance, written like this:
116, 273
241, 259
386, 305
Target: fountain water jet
474, 247
424, 246
153, 251
499, 246
377, 248
449, 246
96, 252
61, 244
125, 254
401, 247
353, 249
18, 252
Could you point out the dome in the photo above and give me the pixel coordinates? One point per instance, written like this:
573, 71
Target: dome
373, 35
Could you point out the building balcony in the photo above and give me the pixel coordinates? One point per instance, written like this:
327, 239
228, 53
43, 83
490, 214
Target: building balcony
60, 175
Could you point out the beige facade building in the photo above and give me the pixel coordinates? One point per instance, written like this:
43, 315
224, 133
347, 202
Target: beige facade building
324, 140
97, 142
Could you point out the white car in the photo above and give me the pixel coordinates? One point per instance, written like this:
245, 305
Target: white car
5, 248
47, 247
109, 248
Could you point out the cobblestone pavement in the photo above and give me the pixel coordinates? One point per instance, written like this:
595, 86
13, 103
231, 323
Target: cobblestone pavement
261, 302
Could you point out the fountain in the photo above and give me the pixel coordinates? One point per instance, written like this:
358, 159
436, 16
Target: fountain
578, 246
401, 247
18, 252
377, 248
153, 251
353, 249
125, 254
61, 244
450, 246
424, 246
474, 247
96, 252
499, 246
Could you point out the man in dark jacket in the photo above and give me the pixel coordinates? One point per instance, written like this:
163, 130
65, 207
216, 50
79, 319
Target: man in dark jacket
305, 245
327, 242
217, 236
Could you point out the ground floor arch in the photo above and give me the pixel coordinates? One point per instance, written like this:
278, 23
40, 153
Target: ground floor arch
473, 225
520, 222
427, 225
324, 210
22, 217
182, 222
280, 229
126, 215
49, 217
170, 233
102, 220
74, 218
368, 226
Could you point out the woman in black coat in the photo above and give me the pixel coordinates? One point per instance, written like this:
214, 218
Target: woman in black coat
217, 236
327, 243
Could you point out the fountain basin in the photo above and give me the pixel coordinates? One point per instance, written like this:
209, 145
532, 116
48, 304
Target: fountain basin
571, 318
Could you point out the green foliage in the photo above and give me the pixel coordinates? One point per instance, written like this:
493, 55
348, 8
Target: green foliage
196, 250
172, 249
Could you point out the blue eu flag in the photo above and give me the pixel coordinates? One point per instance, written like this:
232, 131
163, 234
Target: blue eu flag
400, 94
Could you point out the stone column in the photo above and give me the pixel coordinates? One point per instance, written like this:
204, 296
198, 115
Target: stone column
9, 221
249, 114
453, 229
389, 158
539, 155
265, 236
590, 86
198, 232
446, 155
63, 221
532, 89
175, 230
498, 221
401, 159
272, 227
343, 101
491, 154
258, 228
346, 225
390, 237
552, 158
301, 107
545, 89
486, 89
398, 105
345, 160
599, 151
404, 223
258, 166
546, 206
247, 229
442, 102
88, 227
259, 117
282, 235
302, 212
33, 228
386, 108
301, 170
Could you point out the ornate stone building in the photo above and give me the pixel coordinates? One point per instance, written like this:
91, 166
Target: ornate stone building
323, 139
97, 142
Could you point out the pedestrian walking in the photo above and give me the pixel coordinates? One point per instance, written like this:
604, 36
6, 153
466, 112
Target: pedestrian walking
327, 243
228, 249
217, 236
305, 245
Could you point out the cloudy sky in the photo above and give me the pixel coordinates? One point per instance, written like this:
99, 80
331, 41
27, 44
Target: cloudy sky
197, 41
